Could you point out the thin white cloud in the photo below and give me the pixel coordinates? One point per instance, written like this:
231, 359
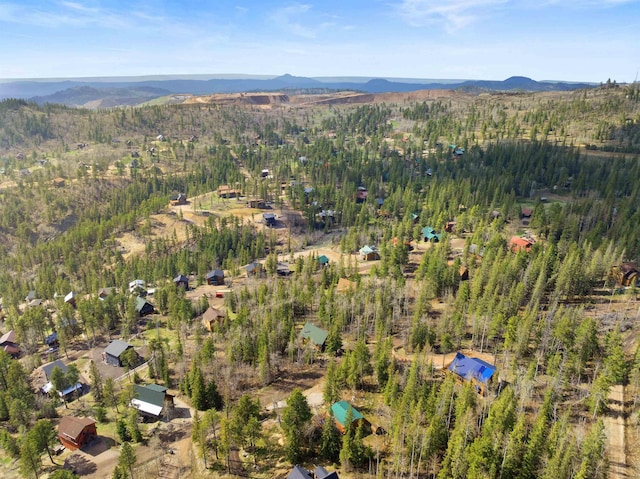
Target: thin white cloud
451, 14
290, 19
587, 3
63, 14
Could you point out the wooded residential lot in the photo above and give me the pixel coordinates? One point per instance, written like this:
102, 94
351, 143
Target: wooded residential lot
428, 285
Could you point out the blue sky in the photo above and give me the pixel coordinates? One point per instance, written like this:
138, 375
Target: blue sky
572, 40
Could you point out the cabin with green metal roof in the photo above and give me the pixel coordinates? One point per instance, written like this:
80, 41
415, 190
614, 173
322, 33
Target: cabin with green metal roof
151, 400
316, 335
340, 411
369, 253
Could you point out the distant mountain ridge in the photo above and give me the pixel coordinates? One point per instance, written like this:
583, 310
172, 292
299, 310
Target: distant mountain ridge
124, 92
92, 97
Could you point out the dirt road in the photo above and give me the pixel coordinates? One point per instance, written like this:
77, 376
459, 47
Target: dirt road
614, 427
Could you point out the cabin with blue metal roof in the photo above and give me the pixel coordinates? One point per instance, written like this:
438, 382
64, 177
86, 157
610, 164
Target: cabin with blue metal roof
479, 372
429, 234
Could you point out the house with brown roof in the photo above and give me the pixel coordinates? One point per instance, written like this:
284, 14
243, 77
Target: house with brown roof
627, 274
517, 243
257, 203
211, 317
8, 343
76, 432
526, 212
225, 191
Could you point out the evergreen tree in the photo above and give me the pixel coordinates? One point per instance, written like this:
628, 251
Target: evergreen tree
30, 462
44, 436
132, 425
198, 389
122, 430
330, 440
127, 459
295, 416
213, 397
110, 398
96, 382
331, 391
593, 463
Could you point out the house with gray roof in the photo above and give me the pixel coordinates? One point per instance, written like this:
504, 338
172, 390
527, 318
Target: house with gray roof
113, 352
215, 277
48, 368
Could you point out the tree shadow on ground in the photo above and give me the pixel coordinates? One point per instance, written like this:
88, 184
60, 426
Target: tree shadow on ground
80, 465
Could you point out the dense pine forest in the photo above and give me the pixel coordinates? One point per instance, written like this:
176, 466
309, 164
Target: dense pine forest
440, 187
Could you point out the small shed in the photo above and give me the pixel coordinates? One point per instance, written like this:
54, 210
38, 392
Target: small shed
113, 352
479, 372
340, 411
211, 317
58, 182
215, 277
369, 253
71, 298
315, 335
323, 260
143, 307
151, 400
75, 432
181, 281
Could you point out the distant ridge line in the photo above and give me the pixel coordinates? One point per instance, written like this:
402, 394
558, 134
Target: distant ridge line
44, 91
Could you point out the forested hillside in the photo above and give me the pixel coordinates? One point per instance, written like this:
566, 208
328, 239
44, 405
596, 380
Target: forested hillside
439, 187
